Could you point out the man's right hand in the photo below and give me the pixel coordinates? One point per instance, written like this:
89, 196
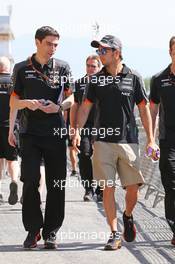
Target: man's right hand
33, 104
76, 141
12, 139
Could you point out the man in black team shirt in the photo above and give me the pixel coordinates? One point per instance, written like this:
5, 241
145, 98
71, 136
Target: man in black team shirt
39, 86
93, 65
115, 90
162, 95
7, 152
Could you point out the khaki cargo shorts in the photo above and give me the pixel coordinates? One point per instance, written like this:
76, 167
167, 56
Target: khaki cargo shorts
112, 161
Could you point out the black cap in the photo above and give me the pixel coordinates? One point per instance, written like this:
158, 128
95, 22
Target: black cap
108, 41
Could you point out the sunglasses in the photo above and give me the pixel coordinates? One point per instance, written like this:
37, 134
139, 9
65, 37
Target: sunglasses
103, 51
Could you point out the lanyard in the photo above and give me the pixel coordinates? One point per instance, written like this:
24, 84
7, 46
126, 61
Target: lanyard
47, 79
43, 76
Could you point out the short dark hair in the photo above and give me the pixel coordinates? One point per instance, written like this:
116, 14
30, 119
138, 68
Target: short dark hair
94, 57
172, 42
45, 31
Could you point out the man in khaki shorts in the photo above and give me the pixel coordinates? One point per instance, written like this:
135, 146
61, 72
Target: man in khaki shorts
115, 90
112, 160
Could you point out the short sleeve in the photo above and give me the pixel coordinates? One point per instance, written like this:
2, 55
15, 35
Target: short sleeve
154, 91
68, 83
90, 92
17, 82
139, 91
76, 92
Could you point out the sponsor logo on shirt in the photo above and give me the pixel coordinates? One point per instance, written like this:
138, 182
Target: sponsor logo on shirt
82, 86
126, 94
30, 76
3, 92
165, 82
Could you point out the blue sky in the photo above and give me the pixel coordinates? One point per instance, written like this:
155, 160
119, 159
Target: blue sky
144, 27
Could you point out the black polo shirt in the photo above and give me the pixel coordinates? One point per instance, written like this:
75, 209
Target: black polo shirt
80, 89
5, 90
30, 84
115, 98
162, 91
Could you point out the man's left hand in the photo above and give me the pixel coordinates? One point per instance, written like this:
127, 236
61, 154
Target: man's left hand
50, 107
155, 155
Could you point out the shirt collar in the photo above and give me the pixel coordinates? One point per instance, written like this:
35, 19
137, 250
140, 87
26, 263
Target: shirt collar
49, 64
125, 70
169, 69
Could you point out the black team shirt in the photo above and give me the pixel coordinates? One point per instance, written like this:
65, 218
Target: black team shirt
5, 90
79, 93
162, 91
115, 98
29, 84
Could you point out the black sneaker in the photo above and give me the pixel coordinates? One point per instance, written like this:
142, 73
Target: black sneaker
173, 240
32, 239
50, 242
114, 241
129, 228
74, 173
13, 197
88, 196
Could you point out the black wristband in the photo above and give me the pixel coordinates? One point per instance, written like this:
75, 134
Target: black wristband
60, 109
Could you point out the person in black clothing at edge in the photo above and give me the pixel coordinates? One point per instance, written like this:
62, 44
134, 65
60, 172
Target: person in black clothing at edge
39, 86
115, 90
162, 94
72, 152
7, 152
93, 65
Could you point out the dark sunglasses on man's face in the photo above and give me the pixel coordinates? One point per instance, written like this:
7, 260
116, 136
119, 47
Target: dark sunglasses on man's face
103, 51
